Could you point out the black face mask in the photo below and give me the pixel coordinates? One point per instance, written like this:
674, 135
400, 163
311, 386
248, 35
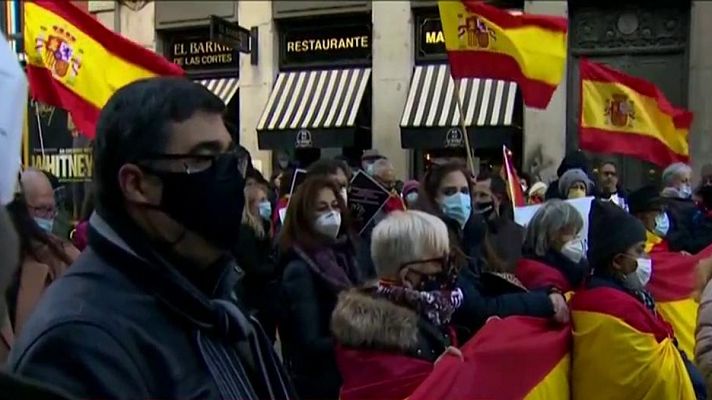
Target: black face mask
207, 202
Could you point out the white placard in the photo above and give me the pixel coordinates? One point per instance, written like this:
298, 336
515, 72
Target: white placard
13, 86
522, 215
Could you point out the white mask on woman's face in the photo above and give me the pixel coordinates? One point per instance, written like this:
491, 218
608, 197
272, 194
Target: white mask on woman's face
573, 250
637, 279
328, 224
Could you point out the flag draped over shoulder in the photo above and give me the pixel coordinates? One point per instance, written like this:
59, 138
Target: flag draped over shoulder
672, 284
75, 63
623, 351
483, 41
627, 115
537, 347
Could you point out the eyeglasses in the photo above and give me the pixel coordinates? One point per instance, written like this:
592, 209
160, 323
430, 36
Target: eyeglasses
43, 212
194, 163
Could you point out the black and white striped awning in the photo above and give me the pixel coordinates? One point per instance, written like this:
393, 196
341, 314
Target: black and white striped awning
313, 109
431, 118
224, 88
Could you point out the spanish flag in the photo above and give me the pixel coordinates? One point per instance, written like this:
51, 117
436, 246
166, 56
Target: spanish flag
627, 115
623, 351
536, 348
516, 194
75, 63
483, 41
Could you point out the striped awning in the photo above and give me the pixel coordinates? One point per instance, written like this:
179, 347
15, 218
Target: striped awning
431, 108
224, 88
313, 108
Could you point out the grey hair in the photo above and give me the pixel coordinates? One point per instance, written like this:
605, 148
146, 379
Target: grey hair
405, 237
381, 164
549, 220
673, 171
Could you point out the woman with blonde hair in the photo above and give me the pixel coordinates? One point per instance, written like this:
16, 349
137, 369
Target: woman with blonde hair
255, 256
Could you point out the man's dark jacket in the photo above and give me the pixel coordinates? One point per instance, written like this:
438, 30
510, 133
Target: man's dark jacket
117, 326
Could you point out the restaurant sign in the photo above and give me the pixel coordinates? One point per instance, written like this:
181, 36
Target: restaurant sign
430, 42
193, 50
346, 43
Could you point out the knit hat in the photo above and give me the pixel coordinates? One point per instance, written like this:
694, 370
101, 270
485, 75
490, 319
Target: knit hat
645, 199
410, 186
538, 188
611, 231
572, 176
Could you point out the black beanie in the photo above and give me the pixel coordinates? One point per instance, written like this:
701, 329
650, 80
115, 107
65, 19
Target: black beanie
611, 231
645, 199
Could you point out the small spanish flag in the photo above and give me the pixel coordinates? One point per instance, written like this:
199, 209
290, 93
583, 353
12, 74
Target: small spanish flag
516, 194
627, 115
75, 63
483, 41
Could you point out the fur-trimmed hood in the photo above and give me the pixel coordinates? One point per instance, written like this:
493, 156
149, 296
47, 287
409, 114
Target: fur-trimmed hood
362, 321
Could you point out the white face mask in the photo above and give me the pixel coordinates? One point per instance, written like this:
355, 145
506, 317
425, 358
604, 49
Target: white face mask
344, 195
328, 224
641, 276
573, 250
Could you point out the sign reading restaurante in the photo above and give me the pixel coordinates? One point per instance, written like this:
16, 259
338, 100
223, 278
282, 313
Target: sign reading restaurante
349, 42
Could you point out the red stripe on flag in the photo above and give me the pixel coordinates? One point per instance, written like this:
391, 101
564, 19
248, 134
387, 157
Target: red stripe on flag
537, 275
506, 20
485, 64
624, 306
112, 42
591, 71
635, 145
84, 114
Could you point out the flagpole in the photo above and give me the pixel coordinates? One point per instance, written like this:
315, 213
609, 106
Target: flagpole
468, 149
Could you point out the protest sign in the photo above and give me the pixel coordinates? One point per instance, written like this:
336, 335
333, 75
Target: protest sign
366, 198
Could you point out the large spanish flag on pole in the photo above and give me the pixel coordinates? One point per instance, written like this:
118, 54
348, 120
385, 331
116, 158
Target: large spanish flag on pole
623, 351
626, 115
483, 41
75, 63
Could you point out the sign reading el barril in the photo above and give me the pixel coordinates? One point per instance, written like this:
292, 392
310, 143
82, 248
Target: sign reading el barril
326, 45
193, 50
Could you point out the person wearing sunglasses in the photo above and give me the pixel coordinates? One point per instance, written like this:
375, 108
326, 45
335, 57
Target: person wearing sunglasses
149, 310
445, 193
609, 184
400, 322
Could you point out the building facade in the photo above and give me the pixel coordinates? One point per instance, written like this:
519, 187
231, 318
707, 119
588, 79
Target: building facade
335, 77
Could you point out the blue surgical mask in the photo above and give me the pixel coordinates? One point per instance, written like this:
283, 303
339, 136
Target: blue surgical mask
265, 209
458, 207
45, 223
411, 197
686, 191
662, 224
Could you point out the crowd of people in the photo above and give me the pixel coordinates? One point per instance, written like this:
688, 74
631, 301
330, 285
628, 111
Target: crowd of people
200, 278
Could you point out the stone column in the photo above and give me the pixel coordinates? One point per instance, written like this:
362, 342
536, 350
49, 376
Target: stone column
699, 101
256, 80
545, 130
393, 45
140, 25
104, 12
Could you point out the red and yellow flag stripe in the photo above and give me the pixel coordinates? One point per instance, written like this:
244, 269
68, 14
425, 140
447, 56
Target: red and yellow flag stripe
75, 63
628, 115
483, 41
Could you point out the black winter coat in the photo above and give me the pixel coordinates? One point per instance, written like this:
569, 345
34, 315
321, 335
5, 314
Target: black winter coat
482, 300
117, 326
260, 285
307, 344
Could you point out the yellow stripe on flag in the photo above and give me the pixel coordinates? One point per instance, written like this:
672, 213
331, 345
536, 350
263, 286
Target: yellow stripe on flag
682, 315
612, 360
99, 72
556, 384
538, 51
647, 119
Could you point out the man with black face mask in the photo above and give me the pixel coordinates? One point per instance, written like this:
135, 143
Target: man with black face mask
149, 310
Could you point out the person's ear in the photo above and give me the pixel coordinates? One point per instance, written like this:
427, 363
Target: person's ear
136, 186
402, 274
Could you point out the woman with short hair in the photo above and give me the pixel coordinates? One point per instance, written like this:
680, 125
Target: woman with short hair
401, 322
554, 252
